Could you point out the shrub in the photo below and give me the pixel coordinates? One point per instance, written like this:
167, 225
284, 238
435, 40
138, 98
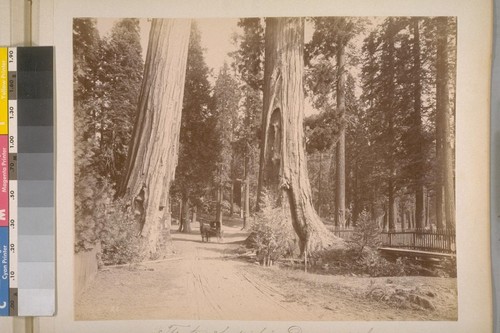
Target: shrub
119, 235
347, 261
88, 189
92, 198
366, 234
374, 265
272, 234
100, 219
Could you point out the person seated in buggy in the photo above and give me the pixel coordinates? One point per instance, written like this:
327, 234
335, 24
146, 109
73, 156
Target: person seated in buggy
215, 226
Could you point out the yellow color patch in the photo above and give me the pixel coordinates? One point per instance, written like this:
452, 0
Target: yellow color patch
4, 99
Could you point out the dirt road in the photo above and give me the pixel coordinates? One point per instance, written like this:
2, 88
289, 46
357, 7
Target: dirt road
206, 281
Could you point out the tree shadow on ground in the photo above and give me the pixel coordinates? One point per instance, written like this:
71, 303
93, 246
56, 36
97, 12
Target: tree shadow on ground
213, 240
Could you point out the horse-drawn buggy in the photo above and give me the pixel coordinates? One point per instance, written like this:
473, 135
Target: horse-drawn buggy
212, 229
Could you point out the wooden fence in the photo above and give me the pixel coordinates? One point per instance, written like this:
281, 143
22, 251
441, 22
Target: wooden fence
442, 241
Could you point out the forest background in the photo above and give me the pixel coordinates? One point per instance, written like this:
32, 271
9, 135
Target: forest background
379, 136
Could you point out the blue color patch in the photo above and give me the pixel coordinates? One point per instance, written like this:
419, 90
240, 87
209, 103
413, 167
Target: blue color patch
4, 271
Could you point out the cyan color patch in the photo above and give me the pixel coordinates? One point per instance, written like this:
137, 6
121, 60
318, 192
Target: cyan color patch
36, 248
4, 271
36, 275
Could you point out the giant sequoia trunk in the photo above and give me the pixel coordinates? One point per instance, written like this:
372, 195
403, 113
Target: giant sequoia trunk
153, 151
444, 139
283, 166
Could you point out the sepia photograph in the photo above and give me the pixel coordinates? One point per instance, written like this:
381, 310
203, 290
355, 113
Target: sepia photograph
265, 169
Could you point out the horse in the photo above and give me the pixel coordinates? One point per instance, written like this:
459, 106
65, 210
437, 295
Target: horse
212, 229
205, 231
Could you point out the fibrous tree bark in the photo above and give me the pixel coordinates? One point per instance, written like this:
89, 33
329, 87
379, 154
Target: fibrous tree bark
153, 150
283, 166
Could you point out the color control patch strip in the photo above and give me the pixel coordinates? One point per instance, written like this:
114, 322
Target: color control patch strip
27, 213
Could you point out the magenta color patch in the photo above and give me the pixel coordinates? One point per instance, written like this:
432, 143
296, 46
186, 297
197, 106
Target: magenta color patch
4, 188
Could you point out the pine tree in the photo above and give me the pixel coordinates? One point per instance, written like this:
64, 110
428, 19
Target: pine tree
123, 66
198, 147
226, 95
380, 93
86, 41
444, 138
366, 234
329, 41
248, 63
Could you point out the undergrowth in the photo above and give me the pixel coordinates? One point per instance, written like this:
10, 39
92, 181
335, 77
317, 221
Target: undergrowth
272, 234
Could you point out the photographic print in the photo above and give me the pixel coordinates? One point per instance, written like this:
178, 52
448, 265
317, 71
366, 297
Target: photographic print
265, 169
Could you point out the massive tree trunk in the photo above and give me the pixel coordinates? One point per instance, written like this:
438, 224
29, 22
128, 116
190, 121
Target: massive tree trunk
444, 139
154, 146
340, 147
283, 167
